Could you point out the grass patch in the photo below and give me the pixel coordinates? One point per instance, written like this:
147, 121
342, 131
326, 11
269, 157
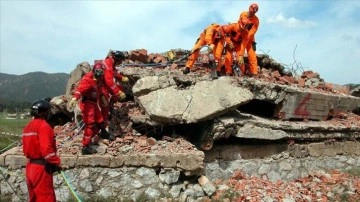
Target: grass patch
12, 125
6, 140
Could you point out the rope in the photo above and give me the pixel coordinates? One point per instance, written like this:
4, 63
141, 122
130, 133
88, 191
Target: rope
12, 188
76, 134
10, 145
76, 126
70, 187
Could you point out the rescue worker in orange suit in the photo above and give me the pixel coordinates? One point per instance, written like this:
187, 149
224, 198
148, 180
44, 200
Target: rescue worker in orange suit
39, 148
251, 25
88, 90
232, 33
212, 37
112, 89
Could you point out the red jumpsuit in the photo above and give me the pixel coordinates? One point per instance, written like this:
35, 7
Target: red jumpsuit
40, 148
232, 34
110, 87
211, 35
247, 39
89, 89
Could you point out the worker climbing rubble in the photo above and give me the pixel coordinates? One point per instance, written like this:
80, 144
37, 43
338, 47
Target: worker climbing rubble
112, 91
89, 90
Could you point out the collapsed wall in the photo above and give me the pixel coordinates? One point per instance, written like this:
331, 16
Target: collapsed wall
179, 136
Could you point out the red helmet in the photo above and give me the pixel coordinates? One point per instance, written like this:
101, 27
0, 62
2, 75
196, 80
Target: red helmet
254, 8
98, 70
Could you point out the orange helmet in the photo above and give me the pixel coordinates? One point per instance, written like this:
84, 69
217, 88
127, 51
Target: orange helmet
253, 8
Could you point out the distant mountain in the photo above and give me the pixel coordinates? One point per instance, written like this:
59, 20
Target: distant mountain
29, 87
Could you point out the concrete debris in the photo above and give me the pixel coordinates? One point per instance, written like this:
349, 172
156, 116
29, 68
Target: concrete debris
318, 186
162, 102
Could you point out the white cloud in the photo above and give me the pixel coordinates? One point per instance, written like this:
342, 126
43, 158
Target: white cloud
290, 22
54, 36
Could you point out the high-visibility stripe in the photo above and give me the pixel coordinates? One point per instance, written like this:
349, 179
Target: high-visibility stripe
30, 134
49, 155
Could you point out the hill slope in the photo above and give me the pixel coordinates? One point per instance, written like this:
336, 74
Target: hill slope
31, 86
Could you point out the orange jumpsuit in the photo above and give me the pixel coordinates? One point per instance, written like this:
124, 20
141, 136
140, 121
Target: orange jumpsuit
110, 88
211, 35
233, 35
247, 39
40, 149
89, 90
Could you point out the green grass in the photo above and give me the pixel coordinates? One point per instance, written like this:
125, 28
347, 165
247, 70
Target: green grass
14, 126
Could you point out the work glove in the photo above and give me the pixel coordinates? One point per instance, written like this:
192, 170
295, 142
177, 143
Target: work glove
231, 46
125, 79
104, 101
122, 95
211, 48
240, 60
52, 168
73, 102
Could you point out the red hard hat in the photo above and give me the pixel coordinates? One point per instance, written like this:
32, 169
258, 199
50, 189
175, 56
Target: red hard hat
98, 70
253, 8
98, 66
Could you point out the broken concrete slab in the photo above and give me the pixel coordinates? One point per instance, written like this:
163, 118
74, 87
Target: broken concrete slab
202, 101
75, 76
293, 102
249, 126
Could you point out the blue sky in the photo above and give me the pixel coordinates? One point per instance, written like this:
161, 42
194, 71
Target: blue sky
54, 36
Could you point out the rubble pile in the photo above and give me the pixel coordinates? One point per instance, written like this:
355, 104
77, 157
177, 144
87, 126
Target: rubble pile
69, 142
318, 186
270, 70
140, 64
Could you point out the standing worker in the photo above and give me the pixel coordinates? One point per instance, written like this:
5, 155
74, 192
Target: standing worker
251, 25
89, 90
111, 90
39, 148
212, 37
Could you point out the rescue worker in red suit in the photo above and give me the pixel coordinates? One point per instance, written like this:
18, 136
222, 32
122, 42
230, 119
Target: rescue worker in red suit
212, 37
232, 33
112, 88
38, 143
88, 90
251, 24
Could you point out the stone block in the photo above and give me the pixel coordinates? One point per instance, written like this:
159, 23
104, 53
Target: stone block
69, 161
117, 161
15, 161
94, 160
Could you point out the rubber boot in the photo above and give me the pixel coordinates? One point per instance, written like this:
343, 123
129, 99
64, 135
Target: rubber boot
106, 135
88, 150
186, 70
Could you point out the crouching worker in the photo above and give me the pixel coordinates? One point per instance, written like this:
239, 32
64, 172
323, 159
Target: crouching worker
40, 149
89, 92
